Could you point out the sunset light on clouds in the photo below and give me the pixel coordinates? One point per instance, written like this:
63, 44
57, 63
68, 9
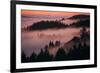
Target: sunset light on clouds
52, 13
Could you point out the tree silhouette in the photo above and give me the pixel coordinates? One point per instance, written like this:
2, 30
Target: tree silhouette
81, 23
57, 43
61, 55
79, 53
44, 56
33, 57
23, 57
51, 44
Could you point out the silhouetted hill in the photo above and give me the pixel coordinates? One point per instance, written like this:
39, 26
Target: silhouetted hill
78, 41
84, 20
80, 17
46, 25
81, 23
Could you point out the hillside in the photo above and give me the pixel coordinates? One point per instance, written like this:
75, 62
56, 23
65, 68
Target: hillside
80, 17
81, 23
46, 25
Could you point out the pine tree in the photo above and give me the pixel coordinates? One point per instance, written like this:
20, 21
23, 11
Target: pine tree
33, 57
61, 55
23, 57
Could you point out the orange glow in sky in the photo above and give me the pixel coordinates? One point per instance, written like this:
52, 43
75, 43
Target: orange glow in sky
53, 13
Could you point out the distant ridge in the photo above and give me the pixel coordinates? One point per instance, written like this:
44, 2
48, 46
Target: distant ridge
80, 17
83, 21
46, 25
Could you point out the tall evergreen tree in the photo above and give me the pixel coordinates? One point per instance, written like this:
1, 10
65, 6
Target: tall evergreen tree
61, 55
33, 57
23, 57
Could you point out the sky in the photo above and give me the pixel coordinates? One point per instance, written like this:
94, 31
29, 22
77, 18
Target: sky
51, 13
32, 16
